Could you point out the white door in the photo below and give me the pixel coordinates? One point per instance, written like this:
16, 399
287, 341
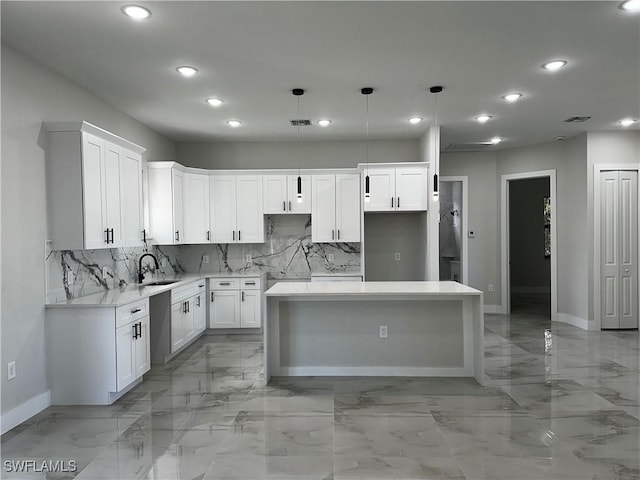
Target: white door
250, 218
293, 205
348, 208
323, 208
200, 313
222, 191
196, 208
125, 357
274, 189
382, 189
112, 207
95, 235
250, 309
178, 311
131, 198
177, 184
224, 309
143, 348
411, 188
619, 249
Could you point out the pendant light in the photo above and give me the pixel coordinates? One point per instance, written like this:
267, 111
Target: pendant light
298, 92
366, 91
436, 167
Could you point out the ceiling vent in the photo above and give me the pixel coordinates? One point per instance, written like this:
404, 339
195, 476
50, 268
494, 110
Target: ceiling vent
466, 147
577, 119
300, 123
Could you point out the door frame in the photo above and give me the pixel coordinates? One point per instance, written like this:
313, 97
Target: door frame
504, 237
597, 294
464, 254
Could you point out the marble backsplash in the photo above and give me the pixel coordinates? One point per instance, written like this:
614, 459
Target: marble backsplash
287, 253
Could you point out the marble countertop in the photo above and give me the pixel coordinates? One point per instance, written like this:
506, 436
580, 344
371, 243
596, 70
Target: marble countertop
301, 289
338, 274
133, 293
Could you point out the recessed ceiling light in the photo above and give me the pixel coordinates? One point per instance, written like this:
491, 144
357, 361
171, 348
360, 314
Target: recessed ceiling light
186, 71
483, 118
631, 5
627, 122
136, 12
324, 122
214, 102
554, 65
512, 97
234, 123
495, 140
415, 120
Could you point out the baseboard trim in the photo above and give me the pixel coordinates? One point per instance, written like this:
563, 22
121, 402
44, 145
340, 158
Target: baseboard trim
24, 411
575, 321
496, 309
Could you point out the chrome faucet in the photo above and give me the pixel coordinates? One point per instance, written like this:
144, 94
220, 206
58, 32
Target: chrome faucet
140, 274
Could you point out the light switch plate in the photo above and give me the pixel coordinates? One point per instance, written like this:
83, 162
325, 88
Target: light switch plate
11, 370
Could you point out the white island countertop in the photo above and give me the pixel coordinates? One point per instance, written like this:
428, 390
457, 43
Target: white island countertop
303, 289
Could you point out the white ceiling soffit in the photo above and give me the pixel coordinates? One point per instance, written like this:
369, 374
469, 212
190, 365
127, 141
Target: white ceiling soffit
251, 54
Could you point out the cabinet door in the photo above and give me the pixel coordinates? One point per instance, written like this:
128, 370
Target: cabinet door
292, 189
274, 189
131, 198
178, 311
92, 159
196, 208
250, 309
224, 309
222, 191
382, 189
112, 207
125, 356
250, 218
200, 313
188, 321
143, 348
348, 208
177, 183
323, 208
411, 188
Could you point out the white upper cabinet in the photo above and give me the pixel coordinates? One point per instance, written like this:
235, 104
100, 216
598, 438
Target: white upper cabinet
394, 189
90, 189
196, 208
335, 208
281, 194
236, 209
166, 190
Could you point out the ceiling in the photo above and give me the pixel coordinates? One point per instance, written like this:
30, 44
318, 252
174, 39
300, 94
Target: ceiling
251, 54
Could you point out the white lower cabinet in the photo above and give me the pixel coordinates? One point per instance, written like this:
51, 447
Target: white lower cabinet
96, 354
235, 302
187, 312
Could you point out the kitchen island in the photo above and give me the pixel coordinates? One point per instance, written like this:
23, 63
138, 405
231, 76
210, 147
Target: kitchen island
338, 329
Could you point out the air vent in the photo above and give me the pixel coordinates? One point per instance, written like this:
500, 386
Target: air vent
577, 119
468, 146
300, 123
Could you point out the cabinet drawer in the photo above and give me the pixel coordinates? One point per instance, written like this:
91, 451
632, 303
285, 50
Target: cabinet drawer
250, 283
132, 312
224, 284
200, 287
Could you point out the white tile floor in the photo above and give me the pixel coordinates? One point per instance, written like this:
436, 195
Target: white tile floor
561, 405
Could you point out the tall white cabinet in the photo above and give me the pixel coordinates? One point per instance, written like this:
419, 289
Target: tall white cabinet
335, 208
166, 200
94, 187
196, 208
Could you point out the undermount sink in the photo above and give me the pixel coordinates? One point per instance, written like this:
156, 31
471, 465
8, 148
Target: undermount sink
160, 282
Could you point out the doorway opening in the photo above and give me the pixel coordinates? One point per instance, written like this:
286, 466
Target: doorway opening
453, 229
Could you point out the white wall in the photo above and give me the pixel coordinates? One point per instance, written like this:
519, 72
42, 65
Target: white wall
334, 154
32, 94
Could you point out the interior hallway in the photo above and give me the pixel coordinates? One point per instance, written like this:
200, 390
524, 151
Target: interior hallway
558, 404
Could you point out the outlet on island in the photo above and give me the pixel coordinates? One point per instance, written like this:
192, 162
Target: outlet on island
384, 331
397, 256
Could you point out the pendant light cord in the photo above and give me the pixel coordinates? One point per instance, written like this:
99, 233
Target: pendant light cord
298, 134
367, 142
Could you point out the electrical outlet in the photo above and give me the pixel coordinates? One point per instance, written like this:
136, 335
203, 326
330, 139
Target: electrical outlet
472, 234
397, 256
71, 278
11, 370
248, 258
384, 331
331, 257
205, 258
105, 273
163, 262
490, 287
